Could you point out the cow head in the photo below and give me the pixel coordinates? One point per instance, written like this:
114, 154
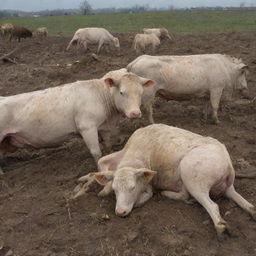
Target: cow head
127, 92
241, 79
128, 184
116, 42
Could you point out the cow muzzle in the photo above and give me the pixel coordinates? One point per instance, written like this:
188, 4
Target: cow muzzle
121, 212
134, 114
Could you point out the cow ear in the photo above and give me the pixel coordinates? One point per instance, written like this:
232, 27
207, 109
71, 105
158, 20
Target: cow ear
147, 82
103, 177
110, 82
146, 174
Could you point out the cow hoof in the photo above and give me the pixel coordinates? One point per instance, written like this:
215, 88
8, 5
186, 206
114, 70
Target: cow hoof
78, 188
190, 201
216, 121
78, 192
223, 231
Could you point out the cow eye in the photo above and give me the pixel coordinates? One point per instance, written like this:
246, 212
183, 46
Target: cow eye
121, 93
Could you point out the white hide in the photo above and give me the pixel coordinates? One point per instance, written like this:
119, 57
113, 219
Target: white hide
176, 161
41, 32
47, 117
159, 32
141, 41
184, 77
100, 36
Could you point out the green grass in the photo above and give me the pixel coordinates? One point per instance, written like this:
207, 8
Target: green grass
177, 22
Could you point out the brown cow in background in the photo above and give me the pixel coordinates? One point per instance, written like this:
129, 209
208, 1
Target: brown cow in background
20, 32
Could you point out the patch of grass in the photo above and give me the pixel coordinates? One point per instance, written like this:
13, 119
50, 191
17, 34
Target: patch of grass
177, 22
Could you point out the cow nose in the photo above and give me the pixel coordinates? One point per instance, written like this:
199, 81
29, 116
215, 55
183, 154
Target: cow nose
134, 114
120, 212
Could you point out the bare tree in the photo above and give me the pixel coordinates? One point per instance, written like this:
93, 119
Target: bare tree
85, 7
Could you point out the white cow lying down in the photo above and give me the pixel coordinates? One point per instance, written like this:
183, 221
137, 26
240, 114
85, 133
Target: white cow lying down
176, 161
100, 36
184, 77
47, 117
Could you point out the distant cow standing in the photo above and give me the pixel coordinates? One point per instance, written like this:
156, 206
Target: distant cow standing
100, 36
20, 32
161, 33
183, 77
141, 41
6, 29
41, 32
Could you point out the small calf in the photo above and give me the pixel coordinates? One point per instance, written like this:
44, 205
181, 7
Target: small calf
41, 32
141, 41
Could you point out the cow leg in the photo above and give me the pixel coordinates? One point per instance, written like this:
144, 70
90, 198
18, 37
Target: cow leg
244, 204
202, 196
150, 114
215, 101
99, 46
85, 184
213, 210
107, 48
78, 45
138, 49
201, 193
194, 171
106, 190
144, 197
106, 136
182, 195
106, 163
225, 108
70, 43
207, 111
148, 107
110, 133
85, 45
90, 136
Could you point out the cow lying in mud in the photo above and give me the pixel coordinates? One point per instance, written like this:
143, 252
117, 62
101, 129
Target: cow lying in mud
47, 117
180, 163
183, 77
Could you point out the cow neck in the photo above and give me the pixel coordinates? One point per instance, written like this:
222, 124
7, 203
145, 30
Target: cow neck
107, 100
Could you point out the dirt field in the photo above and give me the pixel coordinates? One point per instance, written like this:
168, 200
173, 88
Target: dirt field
34, 219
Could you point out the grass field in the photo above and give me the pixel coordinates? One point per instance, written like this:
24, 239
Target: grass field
177, 22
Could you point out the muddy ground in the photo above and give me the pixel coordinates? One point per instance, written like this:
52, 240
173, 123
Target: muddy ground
34, 219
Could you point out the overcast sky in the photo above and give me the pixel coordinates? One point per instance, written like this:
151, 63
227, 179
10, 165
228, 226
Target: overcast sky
36, 5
